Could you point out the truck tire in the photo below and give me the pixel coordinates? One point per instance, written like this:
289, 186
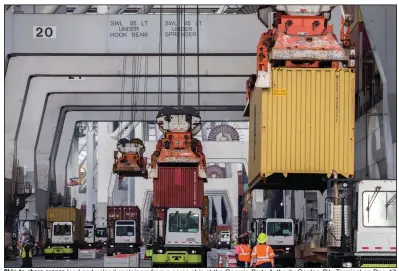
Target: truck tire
204, 262
75, 254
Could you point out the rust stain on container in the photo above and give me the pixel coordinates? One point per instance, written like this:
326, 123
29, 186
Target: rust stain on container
178, 187
310, 130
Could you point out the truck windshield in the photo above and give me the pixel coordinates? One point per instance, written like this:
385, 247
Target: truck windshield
101, 233
62, 230
125, 230
224, 235
88, 231
183, 222
279, 228
379, 209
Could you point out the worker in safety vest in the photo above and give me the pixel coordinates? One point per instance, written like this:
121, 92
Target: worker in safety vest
262, 254
243, 253
26, 254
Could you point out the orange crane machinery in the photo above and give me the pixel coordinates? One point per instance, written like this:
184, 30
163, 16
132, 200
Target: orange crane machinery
301, 101
178, 147
129, 160
299, 36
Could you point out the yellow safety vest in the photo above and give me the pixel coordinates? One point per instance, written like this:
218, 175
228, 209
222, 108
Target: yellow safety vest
23, 253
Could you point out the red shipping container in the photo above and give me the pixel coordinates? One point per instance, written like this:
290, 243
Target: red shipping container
178, 187
220, 228
115, 213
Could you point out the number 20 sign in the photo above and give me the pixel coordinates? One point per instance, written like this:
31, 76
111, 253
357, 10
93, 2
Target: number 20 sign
44, 32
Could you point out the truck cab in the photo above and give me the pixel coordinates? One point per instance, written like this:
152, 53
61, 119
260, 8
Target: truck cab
125, 239
62, 233
375, 224
182, 242
223, 239
62, 241
281, 237
101, 237
184, 226
89, 236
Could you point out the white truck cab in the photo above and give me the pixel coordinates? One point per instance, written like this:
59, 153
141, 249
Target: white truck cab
281, 237
125, 232
183, 227
225, 237
375, 234
62, 233
89, 235
280, 232
101, 236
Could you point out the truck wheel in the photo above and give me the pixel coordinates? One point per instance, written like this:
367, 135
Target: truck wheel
47, 257
204, 260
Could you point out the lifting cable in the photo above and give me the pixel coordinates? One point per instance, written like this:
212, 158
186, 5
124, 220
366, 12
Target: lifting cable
198, 60
122, 99
135, 88
184, 50
178, 57
160, 79
145, 89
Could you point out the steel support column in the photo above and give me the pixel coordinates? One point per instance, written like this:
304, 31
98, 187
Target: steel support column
90, 193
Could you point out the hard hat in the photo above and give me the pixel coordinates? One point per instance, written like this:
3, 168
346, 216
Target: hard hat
262, 238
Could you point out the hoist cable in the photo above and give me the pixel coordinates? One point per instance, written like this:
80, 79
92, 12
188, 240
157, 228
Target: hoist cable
184, 51
160, 79
122, 100
145, 88
198, 61
137, 87
178, 57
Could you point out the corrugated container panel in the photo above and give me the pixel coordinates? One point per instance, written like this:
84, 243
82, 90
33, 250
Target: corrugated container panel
82, 215
178, 187
304, 124
220, 228
62, 214
122, 213
115, 213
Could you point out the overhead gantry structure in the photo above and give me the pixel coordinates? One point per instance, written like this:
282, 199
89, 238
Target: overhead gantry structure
47, 99
129, 9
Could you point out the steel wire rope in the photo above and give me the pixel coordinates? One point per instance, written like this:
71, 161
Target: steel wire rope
145, 88
184, 52
135, 85
178, 57
122, 99
198, 59
160, 68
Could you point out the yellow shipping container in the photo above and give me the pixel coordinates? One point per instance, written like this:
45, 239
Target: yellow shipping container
304, 124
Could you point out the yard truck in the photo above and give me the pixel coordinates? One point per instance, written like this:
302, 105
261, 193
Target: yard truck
65, 231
